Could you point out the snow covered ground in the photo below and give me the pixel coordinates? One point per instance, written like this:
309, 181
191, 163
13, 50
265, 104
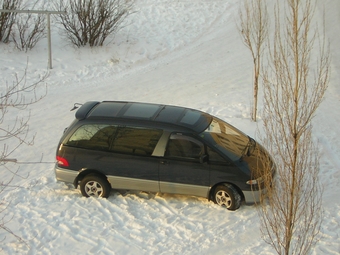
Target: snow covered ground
180, 52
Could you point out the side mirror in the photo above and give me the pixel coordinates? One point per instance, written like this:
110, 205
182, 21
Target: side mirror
204, 158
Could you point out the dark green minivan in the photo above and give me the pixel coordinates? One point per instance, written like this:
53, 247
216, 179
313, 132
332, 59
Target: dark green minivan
160, 148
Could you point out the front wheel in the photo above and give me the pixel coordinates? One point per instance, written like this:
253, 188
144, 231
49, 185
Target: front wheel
227, 196
94, 186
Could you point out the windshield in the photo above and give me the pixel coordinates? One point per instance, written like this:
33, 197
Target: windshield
227, 138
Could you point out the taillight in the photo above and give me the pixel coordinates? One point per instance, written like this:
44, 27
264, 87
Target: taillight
62, 161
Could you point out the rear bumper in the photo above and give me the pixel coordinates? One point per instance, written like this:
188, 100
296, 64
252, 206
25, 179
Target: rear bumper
65, 175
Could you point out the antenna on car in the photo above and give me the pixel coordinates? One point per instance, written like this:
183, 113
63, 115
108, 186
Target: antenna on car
76, 106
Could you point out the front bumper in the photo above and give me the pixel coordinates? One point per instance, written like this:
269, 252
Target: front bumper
253, 196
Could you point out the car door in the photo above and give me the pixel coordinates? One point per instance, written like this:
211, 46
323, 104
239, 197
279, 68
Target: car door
132, 164
180, 170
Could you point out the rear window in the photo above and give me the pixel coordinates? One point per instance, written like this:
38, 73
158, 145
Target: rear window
95, 136
130, 140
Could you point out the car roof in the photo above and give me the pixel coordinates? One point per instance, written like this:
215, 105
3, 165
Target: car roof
194, 120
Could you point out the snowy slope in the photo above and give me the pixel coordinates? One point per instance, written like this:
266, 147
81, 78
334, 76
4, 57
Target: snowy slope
186, 53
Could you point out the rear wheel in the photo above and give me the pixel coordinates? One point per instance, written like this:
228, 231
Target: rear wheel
227, 196
94, 186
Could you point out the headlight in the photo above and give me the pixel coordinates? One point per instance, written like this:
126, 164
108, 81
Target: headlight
256, 181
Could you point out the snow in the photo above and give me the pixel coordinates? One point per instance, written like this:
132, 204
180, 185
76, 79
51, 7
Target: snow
186, 53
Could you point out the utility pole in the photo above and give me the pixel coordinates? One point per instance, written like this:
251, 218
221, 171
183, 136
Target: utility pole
48, 13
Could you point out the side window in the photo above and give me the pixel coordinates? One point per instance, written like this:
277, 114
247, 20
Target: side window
184, 147
94, 136
214, 157
138, 141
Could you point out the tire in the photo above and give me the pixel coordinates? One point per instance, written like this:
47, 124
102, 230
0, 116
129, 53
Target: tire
227, 196
94, 186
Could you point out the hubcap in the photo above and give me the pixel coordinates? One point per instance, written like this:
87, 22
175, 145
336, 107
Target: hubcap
93, 188
223, 199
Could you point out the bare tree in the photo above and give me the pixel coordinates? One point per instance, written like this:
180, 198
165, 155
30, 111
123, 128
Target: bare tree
7, 19
294, 86
253, 28
15, 133
92, 21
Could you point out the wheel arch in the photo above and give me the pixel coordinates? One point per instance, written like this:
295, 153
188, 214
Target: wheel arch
212, 190
85, 172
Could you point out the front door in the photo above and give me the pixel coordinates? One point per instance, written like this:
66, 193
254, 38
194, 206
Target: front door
180, 170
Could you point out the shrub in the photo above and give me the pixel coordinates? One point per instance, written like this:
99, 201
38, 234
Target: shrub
92, 21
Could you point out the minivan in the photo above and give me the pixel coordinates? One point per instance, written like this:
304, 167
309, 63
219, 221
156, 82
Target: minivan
160, 148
